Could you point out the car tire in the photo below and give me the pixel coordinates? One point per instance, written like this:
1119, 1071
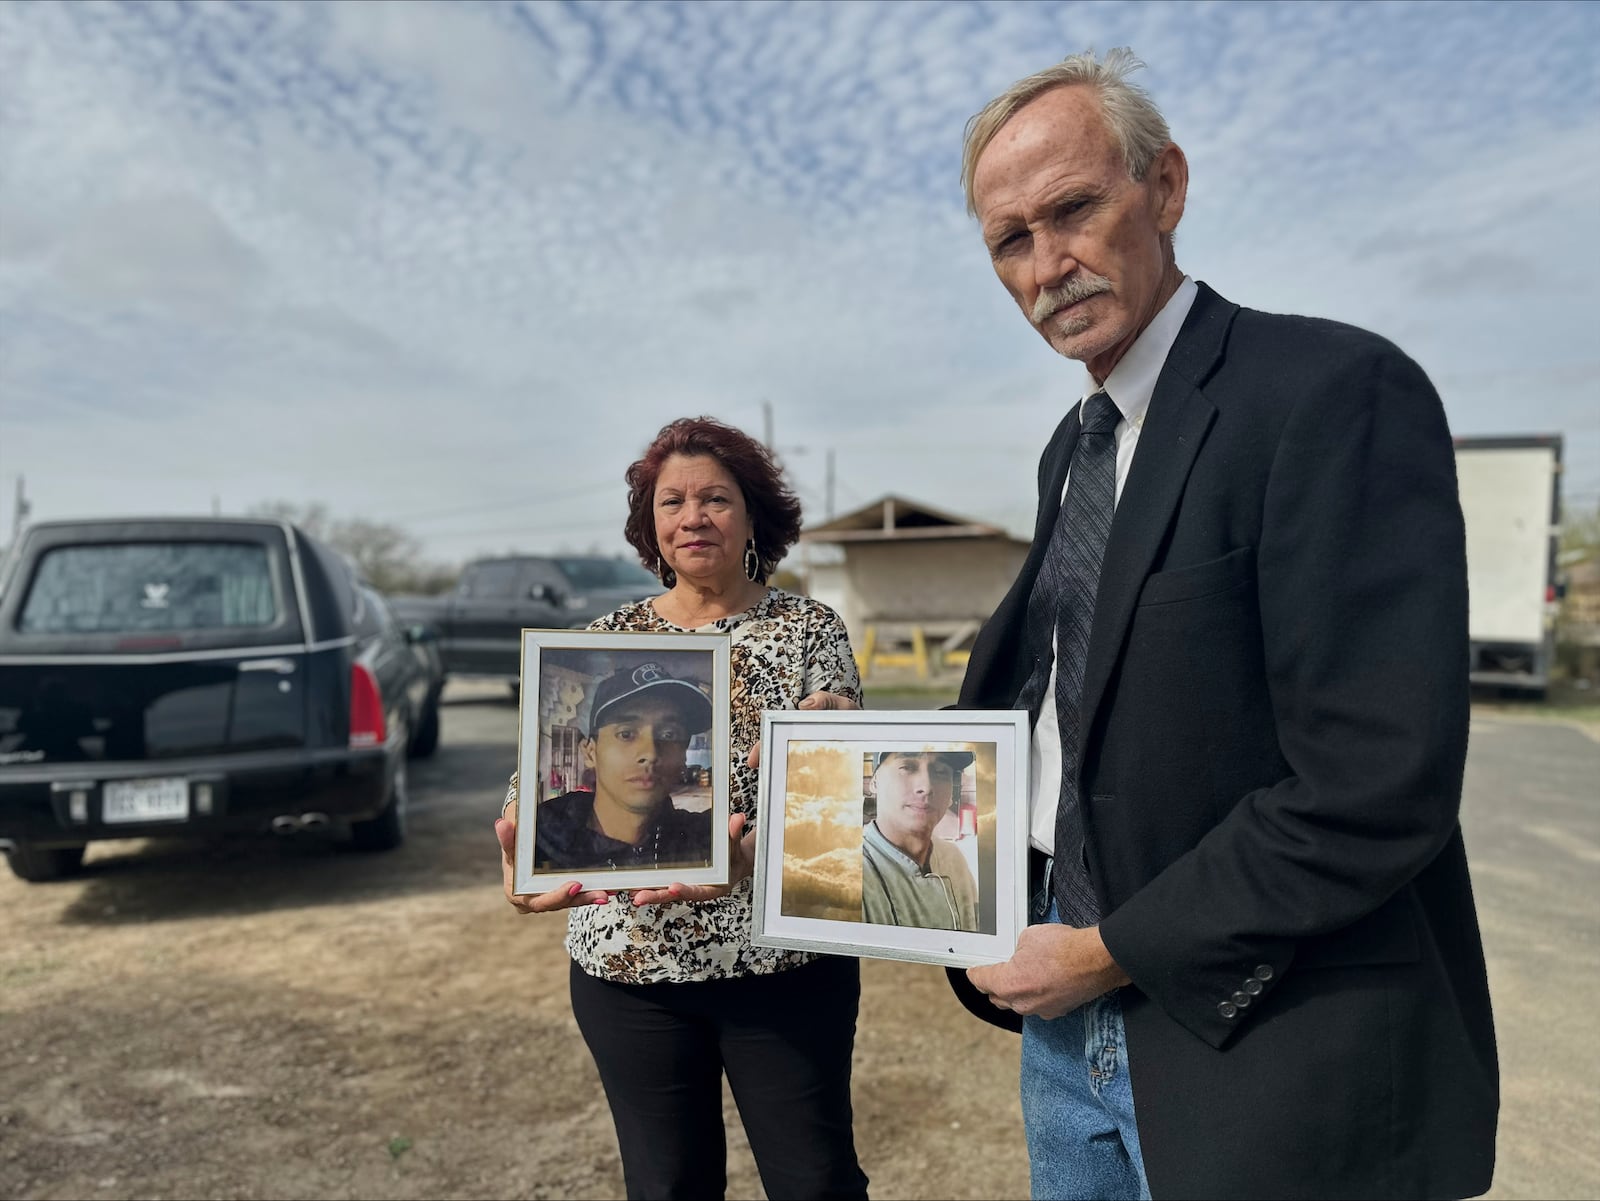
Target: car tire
425, 740
39, 864
388, 830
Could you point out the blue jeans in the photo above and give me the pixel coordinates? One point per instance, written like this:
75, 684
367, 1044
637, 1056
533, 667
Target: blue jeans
1077, 1100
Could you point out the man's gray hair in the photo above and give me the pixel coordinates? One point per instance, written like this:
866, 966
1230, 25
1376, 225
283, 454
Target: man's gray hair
1134, 120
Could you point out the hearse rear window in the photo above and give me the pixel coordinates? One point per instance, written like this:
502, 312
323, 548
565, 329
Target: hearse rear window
140, 587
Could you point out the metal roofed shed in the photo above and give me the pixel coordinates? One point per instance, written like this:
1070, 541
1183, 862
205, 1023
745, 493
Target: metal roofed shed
912, 582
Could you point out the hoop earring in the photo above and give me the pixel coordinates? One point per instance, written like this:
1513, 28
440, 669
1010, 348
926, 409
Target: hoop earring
665, 574
752, 561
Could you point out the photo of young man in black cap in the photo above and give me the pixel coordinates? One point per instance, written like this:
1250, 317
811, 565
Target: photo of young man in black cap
909, 875
641, 719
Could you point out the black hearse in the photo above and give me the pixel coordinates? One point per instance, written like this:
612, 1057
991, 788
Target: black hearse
189, 676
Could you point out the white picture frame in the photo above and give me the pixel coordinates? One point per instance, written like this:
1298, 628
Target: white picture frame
828, 874
560, 758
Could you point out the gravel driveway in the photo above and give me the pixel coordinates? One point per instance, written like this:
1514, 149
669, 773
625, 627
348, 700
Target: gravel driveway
285, 1019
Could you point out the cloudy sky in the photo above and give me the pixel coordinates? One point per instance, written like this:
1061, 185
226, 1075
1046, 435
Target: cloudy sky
452, 265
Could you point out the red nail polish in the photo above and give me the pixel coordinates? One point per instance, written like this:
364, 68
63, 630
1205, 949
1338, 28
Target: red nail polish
575, 889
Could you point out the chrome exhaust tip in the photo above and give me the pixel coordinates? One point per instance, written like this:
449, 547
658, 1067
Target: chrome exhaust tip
285, 823
313, 821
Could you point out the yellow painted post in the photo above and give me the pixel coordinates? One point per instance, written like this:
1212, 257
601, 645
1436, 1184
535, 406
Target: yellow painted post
868, 645
919, 652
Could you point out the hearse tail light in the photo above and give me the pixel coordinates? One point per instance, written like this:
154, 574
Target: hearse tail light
366, 708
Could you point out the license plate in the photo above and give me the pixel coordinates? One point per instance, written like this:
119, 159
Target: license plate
145, 801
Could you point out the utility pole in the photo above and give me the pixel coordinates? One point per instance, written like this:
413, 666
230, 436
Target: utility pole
19, 514
829, 490
766, 424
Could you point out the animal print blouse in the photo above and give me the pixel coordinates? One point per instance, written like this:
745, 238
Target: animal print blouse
784, 648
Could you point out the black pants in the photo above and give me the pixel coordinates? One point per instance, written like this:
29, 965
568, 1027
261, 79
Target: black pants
785, 1041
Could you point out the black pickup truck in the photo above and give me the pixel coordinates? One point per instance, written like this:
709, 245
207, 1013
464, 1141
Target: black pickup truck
188, 676
480, 624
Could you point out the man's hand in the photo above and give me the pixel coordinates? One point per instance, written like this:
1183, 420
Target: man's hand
567, 896
741, 863
1054, 970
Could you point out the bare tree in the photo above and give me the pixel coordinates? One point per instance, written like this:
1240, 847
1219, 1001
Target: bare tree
1578, 619
387, 556
311, 517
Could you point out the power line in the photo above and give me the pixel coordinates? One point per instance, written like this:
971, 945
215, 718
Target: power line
441, 514
531, 531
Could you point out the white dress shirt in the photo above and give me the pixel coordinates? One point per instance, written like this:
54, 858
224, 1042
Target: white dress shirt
1130, 385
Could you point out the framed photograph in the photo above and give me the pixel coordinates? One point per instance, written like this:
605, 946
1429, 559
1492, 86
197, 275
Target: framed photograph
894, 834
622, 760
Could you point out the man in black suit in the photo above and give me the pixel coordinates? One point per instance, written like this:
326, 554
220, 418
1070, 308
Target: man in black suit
1254, 968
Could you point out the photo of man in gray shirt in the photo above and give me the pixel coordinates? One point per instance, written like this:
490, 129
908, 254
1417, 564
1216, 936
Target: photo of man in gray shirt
909, 875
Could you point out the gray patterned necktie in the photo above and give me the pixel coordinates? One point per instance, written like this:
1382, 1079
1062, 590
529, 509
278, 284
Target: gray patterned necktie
1062, 605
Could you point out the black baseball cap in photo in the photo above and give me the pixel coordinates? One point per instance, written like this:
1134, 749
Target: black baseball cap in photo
650, 677
958, 760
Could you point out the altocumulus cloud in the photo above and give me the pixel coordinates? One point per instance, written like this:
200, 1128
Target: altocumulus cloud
454, 264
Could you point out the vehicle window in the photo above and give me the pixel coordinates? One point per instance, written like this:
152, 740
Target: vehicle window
494, 581
535, 572
605, 573
377, 610
142, 586
368, 616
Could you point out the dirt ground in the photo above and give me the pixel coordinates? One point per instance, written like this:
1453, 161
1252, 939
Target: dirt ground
286, 1019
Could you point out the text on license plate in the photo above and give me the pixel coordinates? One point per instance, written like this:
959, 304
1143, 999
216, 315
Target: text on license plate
145, 801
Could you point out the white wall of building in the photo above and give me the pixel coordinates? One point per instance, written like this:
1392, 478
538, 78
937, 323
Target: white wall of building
914, 580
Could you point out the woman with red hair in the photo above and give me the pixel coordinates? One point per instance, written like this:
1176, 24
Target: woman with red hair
666, 987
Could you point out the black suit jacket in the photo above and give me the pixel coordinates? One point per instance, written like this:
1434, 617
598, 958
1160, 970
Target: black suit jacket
1276, 698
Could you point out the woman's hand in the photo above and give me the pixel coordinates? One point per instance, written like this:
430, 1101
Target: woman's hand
741, 864
817, 700
827, 700
741, 838
568, 896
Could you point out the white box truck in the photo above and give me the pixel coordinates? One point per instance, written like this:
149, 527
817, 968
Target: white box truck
1511, 500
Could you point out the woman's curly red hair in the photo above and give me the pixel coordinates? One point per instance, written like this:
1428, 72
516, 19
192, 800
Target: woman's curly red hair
774, 509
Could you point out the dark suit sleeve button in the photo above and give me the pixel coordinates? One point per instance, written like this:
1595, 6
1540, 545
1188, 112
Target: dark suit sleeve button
1253, 987
1264, 972
1241, 999
1228, 1010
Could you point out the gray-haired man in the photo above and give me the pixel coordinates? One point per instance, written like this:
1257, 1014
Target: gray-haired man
1242, 632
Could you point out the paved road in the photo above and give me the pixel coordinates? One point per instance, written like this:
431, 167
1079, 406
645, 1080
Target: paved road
1531, 814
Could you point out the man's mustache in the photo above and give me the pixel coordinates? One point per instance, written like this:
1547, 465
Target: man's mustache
1077, 287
